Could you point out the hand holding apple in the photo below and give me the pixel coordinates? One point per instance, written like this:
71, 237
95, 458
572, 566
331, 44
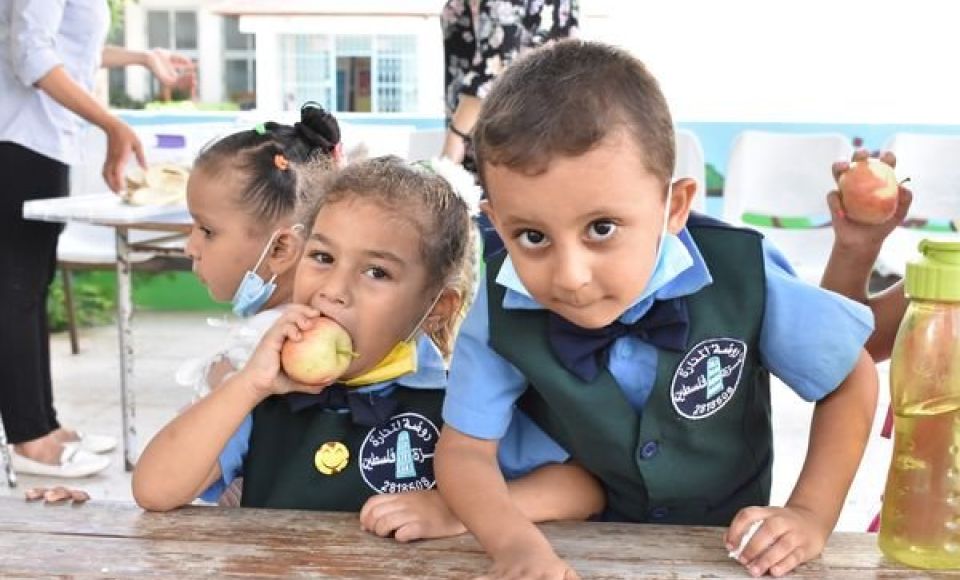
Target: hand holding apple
869, 191
321, 356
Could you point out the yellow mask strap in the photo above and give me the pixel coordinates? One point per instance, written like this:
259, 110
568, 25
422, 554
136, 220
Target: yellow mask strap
400, 361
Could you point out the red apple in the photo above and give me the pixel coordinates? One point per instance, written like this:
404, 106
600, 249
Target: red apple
869, 191
321, 356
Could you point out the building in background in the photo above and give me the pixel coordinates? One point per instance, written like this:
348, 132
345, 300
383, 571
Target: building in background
372, 56
226, 56
364, 56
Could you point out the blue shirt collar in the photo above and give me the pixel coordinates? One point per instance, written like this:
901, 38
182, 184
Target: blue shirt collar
431, 370
682, 273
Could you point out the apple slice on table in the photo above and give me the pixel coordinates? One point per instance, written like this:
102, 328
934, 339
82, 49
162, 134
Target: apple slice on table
321, 356
869, 191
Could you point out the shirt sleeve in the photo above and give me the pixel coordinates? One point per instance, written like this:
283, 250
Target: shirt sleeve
33, 38
483, 386
231, 461
811, 338
499, 40
526, 447
561, 21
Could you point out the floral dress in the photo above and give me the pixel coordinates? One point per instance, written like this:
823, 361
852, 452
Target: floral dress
482, 37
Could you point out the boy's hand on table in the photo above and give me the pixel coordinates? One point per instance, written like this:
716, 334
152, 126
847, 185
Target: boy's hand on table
412, 515
787, 537
523, 561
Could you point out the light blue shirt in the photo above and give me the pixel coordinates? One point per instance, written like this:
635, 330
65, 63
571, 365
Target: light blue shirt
810, 338
525, 448
35, 37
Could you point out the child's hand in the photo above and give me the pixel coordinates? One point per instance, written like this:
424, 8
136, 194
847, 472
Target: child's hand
851, 234
219, 371
263, 371
522, 562
413, 515
788, 537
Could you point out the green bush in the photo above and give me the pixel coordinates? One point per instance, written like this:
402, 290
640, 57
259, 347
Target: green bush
92, 304
184, 104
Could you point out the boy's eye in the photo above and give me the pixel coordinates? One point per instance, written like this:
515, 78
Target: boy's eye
377, 273
207, 232
601, 230
532, 239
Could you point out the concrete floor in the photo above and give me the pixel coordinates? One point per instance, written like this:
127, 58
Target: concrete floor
86, 391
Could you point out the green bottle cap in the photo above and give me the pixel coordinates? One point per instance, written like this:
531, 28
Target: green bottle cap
935, 275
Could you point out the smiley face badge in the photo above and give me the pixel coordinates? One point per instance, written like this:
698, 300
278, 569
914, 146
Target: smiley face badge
331, 458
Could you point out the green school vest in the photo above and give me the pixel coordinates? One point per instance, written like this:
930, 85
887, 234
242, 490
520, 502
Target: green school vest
702, 447
396, 456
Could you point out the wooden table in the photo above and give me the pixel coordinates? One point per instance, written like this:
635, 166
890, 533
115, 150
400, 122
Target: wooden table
119, 540
169, 222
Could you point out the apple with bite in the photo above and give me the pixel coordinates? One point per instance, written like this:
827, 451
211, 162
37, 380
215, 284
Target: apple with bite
321, 356
869, 191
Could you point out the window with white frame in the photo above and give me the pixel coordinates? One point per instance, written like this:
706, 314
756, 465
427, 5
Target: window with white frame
240, 64
174, 30
350, 73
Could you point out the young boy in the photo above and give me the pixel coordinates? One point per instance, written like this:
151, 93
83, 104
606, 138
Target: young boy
638, 341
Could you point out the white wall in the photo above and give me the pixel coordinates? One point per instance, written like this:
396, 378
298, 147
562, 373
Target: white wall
884, 61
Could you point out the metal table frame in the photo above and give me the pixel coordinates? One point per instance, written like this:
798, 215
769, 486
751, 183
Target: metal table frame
171, 223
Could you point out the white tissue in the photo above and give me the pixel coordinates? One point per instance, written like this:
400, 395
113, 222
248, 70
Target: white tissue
735, 554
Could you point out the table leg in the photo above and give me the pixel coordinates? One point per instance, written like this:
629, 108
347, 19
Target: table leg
7, 463
124, 315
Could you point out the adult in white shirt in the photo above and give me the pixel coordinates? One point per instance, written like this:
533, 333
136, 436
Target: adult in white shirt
49, 53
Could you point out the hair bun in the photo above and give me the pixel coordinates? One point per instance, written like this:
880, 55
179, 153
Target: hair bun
318, 128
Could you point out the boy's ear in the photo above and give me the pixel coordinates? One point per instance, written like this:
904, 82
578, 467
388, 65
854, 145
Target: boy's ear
684, 190
287, 247
487, 210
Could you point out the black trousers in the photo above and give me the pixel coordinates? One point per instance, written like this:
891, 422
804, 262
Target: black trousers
28, 259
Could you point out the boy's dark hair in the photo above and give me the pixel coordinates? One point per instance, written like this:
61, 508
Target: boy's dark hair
429, 202
563, 99
266, 158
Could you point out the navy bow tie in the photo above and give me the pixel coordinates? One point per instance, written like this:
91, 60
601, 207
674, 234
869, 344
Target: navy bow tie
582, 351
366, 409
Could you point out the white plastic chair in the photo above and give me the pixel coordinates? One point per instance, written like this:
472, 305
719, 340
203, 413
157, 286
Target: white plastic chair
361, 141
932, 162
425, 144
777, 183
691, 163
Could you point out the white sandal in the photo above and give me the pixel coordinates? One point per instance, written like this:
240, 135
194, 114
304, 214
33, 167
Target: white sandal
74, 462
96, 443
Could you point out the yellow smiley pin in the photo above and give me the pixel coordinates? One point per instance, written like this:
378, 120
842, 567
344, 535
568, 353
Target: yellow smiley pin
331, 458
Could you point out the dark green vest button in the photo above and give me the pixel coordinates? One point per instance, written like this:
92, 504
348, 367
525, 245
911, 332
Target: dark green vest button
658, 513
649, 449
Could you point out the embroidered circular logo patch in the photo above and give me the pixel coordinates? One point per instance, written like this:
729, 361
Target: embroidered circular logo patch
398, 455
707, 377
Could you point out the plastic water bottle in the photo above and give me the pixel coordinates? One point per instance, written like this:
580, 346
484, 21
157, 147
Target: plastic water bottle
920, 521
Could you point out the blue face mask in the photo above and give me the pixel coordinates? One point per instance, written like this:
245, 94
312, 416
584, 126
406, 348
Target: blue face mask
253, 292
672, 257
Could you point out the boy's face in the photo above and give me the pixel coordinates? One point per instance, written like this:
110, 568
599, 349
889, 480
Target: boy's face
583, 235
362, 267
